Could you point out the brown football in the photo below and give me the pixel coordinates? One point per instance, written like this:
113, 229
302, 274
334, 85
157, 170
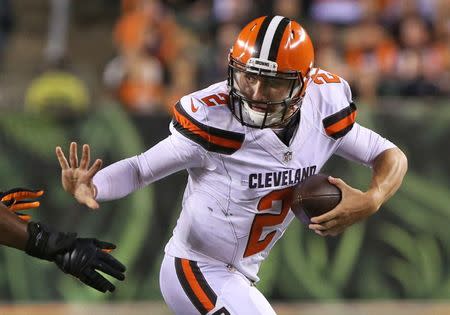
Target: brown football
314, 196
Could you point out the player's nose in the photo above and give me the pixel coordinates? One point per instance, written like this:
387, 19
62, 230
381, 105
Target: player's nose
260, 92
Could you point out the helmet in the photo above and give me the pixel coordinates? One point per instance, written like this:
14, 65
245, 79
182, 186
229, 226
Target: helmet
268, 69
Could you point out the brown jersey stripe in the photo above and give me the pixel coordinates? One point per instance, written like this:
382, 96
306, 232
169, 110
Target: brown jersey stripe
342, 126
192, 288
212, 139
332, 119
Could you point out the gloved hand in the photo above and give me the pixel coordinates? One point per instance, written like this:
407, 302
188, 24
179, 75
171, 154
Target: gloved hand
44, 243
87, 257
80, 257
17, 199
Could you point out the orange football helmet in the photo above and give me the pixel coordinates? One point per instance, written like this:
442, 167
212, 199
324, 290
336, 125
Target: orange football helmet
269, 65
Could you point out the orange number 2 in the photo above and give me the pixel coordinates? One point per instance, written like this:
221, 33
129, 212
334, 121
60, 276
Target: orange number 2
216, 99
273, 209
327, 77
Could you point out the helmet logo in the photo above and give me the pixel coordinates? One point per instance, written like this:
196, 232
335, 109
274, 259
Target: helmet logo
255, 64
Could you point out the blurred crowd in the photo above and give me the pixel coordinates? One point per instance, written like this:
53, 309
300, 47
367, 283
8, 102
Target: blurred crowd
384, 47
165, 49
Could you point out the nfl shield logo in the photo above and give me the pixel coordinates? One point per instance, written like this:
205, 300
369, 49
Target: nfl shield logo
287, 156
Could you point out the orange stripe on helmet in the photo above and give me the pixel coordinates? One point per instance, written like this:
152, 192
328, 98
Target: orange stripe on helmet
243, 47
296, 51
195, 286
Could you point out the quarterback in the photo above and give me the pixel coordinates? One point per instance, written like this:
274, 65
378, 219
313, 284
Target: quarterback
245, 143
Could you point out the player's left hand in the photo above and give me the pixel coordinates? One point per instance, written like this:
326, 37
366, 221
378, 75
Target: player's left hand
77, 178
86, 258
354, 206
18, 199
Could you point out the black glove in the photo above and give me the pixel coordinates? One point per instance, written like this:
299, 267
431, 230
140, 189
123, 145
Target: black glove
44, 243
87, 256
80, 257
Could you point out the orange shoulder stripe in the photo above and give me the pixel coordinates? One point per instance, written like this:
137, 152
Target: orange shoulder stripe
210, 138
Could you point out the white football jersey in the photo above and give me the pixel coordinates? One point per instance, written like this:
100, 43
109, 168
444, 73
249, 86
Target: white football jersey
236, 203
237, 200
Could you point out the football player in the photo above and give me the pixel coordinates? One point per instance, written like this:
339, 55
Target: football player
79, 257
245, 143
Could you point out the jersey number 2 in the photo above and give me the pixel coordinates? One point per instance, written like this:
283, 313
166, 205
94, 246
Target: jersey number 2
327, 77
273, 209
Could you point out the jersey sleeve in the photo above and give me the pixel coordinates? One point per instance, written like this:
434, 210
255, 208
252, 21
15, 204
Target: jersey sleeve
167, 157
335, 111
362, 145
205, 126
333, 105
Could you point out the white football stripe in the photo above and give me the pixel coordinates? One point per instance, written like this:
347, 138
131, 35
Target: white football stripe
267, 42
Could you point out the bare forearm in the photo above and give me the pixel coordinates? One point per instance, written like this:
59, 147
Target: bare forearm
13, 231
389, 170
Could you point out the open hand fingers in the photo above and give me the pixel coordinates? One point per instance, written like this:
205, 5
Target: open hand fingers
94, 168
110, 269
113, 262
97, 281
21, 193
73, 157
104, 245
24, 205
24, 217
85, 157
61, 158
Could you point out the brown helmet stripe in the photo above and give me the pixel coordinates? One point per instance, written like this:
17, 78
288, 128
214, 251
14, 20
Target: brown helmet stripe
276, 41
261, 33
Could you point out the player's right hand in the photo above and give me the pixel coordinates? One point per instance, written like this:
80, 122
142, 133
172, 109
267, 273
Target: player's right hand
77, 178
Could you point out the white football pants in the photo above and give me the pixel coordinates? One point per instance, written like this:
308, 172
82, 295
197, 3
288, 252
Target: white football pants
191, 288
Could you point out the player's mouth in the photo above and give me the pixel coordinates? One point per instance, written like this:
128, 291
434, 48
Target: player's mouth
262, 108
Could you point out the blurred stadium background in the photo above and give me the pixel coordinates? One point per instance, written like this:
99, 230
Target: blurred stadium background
106, 72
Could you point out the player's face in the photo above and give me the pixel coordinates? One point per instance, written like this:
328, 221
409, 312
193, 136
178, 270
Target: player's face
263, 100
262, 89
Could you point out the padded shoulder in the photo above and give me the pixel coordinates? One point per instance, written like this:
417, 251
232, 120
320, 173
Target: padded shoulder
205, 118
330, 99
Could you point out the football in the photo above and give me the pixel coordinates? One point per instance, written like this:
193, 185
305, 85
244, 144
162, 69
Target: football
314, 196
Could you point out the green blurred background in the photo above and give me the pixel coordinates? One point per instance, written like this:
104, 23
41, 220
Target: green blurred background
69, 74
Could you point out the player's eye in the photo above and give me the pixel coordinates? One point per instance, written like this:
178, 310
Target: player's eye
276, 83
251, 78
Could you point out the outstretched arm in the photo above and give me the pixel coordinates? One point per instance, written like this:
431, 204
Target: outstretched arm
123, 177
